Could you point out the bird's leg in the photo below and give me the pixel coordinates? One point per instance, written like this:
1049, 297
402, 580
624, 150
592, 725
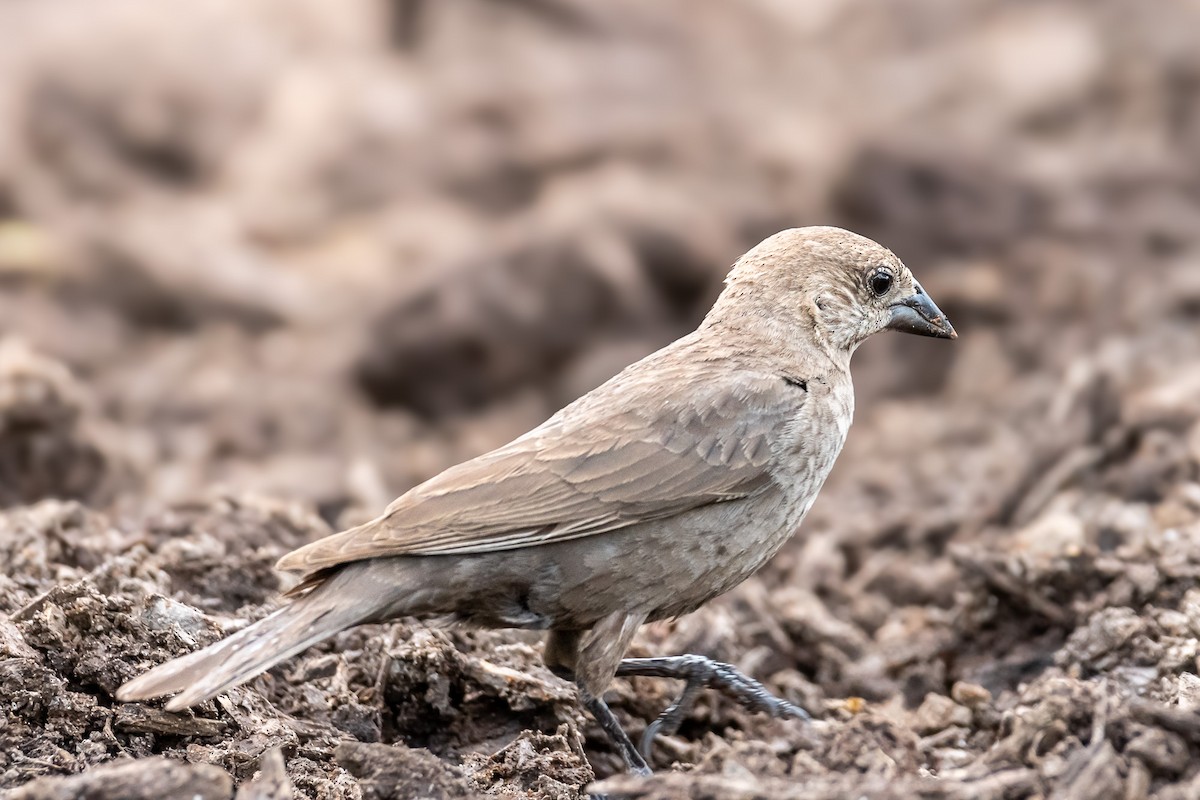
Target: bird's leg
698, 672
610, 725
596, 655
561, 656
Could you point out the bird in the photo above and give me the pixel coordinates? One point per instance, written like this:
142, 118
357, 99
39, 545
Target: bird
659, 490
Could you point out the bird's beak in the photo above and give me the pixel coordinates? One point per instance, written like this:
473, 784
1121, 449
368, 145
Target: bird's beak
920, 315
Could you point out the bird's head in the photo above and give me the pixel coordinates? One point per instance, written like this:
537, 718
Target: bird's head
829, 287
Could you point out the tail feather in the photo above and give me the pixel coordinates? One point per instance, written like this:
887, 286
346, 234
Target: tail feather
304, 622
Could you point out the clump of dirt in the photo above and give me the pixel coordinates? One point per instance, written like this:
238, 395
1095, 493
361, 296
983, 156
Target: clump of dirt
48, 445
144, 779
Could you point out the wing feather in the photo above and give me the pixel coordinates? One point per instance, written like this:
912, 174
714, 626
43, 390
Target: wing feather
634, 453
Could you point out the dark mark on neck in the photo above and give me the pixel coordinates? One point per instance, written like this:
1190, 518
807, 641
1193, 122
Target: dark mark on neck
803, 384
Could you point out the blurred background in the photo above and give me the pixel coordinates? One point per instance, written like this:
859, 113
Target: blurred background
326, 250
318, 252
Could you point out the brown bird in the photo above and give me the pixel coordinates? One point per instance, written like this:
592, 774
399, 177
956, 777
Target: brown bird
668, 485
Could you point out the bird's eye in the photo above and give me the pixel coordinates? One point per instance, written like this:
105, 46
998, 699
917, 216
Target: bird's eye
880, 282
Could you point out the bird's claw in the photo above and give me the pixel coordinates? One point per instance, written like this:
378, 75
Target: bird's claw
698, 673
752, 694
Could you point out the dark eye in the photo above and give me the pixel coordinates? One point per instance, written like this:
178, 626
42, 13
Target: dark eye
880, 282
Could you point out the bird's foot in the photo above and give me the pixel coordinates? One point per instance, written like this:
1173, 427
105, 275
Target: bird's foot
698, 673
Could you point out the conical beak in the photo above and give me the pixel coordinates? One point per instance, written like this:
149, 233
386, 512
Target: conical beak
920, 315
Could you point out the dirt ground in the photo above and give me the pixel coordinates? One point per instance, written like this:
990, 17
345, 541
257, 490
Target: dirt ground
265, 266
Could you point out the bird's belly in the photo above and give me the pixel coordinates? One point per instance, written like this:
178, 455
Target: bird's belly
662, 569
665, 568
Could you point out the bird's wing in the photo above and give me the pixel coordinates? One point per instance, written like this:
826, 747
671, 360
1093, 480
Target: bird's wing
638, 452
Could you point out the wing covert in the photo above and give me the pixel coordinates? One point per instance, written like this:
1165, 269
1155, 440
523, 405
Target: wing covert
610, 460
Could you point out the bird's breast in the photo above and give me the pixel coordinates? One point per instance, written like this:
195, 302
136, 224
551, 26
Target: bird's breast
811, 441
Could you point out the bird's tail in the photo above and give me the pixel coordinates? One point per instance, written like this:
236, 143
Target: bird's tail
334, 605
